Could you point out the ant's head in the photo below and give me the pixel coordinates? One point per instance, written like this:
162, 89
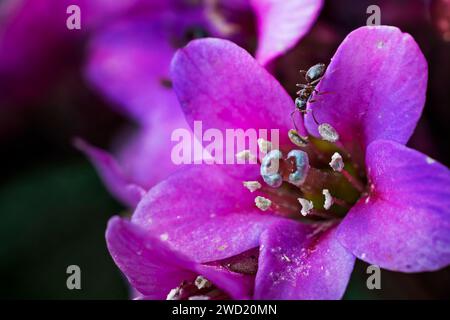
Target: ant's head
300, 104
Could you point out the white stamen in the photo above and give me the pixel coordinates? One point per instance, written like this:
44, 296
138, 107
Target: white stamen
430, 160
199, 298
245, 155
173, 294
262, 203
252, 185
328, 133
337, 164
264, 145
328, 199
164, 236
307, 206
202, 283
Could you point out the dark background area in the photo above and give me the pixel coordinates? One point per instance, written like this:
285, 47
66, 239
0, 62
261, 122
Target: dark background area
54, 208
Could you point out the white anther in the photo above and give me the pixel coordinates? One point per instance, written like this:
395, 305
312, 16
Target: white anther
245, 155
262, 203
307, 206
328, 199
336, 163
264, 145
328, 133
173, 294
202, 283
252, 185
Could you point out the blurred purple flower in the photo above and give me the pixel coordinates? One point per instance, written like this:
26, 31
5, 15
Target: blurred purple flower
35, 43
129, 63
39, 55
400, 221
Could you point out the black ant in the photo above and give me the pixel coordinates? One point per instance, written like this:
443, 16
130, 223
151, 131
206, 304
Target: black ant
312, 77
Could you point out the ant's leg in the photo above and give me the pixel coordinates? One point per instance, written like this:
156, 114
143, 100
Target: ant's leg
314, 100
313, 83
293, 120
305, 112
323, 92
301, 85
298, 92
319, 93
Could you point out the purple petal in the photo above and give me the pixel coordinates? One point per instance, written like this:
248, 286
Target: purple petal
129, 60
149, 265
145, 155
154, 269
143, 158
220, 84
281, 24
375, 87
238, 286
404, 223
298, 261
129, 63
118, 183
204, 212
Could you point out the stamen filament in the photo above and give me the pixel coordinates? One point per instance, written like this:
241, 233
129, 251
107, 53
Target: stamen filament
321, 214
341, 203
358, 185
330, 200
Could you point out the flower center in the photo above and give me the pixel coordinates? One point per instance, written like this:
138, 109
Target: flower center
315, 181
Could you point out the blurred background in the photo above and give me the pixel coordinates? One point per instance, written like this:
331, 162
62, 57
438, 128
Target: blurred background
54, 207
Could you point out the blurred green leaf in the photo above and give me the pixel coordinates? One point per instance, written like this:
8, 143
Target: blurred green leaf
51, 217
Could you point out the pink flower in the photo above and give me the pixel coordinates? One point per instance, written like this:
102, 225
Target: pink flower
129, 63
399, 220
